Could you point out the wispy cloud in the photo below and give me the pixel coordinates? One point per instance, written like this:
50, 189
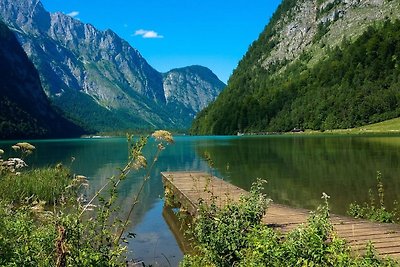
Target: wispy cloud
73, 14
148, 34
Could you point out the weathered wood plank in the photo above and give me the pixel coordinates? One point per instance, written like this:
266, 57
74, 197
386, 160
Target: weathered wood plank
189, 187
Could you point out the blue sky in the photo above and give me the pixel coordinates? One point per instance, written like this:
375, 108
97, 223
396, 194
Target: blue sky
178, 33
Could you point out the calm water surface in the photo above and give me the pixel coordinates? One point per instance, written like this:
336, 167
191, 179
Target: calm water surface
298, 170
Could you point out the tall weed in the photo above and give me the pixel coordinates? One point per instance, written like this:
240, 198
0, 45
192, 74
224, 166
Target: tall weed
375, 211
72, 232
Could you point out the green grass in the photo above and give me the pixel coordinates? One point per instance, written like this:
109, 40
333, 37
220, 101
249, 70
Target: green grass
45, 184
391, 126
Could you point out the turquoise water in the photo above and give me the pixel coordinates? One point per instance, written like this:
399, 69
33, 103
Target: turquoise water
298, 170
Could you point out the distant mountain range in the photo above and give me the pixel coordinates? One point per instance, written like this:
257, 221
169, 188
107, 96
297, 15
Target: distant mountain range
318, 64
99, 80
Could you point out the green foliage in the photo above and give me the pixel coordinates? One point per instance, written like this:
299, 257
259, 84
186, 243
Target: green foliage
323, 28
375, 211
24, 241
356, 84
222, 233
34, 185
45, 184
70, 232
314, 244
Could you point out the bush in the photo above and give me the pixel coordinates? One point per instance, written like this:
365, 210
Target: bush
24, 241
228, 237
221, 234
373, 211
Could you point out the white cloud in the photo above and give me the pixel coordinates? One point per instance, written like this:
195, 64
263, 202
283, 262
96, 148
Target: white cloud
148, 34
73, 14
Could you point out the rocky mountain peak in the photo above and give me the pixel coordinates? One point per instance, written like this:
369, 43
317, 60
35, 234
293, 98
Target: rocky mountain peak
29, 15
101, 71
25, 110
318, 64
194, 87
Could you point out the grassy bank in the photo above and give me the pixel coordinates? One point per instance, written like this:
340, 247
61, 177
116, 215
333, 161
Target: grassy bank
385, 127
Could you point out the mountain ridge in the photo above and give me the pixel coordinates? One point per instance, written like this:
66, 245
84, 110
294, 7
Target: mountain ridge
103, 73
26, 111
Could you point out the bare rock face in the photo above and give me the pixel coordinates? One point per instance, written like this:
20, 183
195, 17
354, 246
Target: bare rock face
25, 110
94, 68
297, 29
193, 87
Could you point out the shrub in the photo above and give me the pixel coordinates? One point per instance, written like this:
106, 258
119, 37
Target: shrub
24, 241
242, 244
221, 233
375, 211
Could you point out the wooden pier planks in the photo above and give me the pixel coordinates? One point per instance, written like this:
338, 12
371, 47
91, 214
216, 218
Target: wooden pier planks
189, 187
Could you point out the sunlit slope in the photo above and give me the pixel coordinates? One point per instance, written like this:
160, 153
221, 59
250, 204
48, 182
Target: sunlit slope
318, 65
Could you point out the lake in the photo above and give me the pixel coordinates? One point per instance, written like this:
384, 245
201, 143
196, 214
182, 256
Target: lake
298, 169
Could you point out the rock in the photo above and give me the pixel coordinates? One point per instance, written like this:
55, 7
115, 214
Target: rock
87, 71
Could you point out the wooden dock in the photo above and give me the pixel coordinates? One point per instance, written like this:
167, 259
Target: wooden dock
189, 187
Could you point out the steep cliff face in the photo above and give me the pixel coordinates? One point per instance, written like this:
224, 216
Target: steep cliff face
95, 76
25, 110
293, 75
192, 87
114, 58
307, 22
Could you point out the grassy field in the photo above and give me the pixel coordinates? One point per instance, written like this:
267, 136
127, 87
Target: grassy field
389, 126
385, 127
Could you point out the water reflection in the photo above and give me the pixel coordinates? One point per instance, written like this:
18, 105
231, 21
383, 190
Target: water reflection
298, 170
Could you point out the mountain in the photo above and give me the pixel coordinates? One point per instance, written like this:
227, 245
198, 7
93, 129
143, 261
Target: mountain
318, 64
25, 110
94, 76
189, 90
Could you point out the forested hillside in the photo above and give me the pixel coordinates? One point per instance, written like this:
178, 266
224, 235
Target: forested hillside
353, 82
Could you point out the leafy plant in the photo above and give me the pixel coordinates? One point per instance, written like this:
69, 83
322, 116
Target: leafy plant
256, 244
222, 232
71, 232
375, 211
25, 240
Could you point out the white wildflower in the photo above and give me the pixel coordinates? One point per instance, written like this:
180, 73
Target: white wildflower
162, 135
325, 196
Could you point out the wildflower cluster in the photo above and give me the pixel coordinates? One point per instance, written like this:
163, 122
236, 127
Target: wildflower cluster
13, 165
